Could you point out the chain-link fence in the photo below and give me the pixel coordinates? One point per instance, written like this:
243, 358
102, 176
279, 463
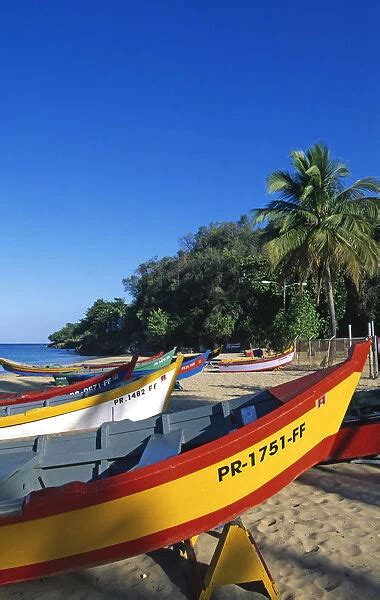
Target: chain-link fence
315, 353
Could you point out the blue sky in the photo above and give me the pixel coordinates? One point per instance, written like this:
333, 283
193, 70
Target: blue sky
125, 125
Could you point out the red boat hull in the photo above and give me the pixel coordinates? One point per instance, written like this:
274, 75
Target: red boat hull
356, 441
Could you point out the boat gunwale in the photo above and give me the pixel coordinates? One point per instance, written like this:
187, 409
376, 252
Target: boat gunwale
46, 412
67, 389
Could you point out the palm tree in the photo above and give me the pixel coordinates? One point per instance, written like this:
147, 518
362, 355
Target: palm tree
319, 225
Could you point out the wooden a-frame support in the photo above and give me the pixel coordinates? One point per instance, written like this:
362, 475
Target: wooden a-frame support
236, 560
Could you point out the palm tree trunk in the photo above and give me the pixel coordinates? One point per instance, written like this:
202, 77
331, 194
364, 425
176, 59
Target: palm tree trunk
331, 304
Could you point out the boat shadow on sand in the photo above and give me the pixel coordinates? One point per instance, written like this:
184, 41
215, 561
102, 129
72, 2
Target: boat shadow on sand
327, 574
363, 487
160, 574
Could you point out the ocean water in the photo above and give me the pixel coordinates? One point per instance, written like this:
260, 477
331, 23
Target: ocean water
39, 354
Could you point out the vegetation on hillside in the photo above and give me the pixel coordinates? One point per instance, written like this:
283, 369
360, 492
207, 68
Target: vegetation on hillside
227, 281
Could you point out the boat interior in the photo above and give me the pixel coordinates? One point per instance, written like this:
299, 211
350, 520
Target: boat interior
36, 463
40, 462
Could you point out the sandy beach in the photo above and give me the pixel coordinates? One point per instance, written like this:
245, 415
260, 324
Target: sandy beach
320, 536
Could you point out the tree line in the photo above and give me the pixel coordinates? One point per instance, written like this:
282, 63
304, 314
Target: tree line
307, 264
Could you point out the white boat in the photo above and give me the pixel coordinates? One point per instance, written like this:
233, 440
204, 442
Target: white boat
248, 365
138, 399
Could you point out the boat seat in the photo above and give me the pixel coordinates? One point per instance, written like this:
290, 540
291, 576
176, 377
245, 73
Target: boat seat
11, 508
13, 464
161, 446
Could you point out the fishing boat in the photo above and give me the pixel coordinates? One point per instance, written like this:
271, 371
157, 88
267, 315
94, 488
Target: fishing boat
157, 361
37, 370
148, 366
193, 366
95, 366
248, 365
214, 353
189, 367
79, 500
359, 435
136, 399
95, 385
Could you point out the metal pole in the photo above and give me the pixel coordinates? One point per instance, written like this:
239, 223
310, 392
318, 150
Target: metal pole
370, 353
284, 295
350, 335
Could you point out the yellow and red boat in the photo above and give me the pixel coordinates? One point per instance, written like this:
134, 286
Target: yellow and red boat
153, 362
37, 370
169, 478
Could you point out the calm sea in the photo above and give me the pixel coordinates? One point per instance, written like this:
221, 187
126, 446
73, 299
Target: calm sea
39, 354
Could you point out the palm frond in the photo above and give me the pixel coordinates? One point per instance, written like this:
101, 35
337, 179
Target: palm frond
300, 161
278, 248
285, 183
364, 209
314, 175
360, 188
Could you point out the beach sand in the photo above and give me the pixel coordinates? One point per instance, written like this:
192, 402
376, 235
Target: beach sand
320, 536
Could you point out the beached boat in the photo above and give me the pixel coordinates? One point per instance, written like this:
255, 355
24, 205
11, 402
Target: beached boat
214, 353
193, 366
359, 435
95, 366
247, 365
37, 370
136, 399
146, 367
189, 367
78, 500
97, 384
155, 362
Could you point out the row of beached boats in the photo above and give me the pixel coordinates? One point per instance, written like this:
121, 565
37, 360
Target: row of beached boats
192, 365
100, 469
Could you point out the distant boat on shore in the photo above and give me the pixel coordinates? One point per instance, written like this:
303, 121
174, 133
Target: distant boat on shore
248, 365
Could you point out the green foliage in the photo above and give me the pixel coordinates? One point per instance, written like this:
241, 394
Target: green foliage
300, 319
159, 324
212, 290
201, 287
320, 226
100, 329
103, 317
63, 335
221, 322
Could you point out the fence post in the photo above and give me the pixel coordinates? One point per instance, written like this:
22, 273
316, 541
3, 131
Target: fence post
328, 350
350, 335
374, 349
370, 354
310, 350
295, 347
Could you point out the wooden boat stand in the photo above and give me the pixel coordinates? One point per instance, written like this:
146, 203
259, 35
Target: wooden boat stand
227, 566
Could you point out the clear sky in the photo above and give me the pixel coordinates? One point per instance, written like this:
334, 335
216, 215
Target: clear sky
125, 125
